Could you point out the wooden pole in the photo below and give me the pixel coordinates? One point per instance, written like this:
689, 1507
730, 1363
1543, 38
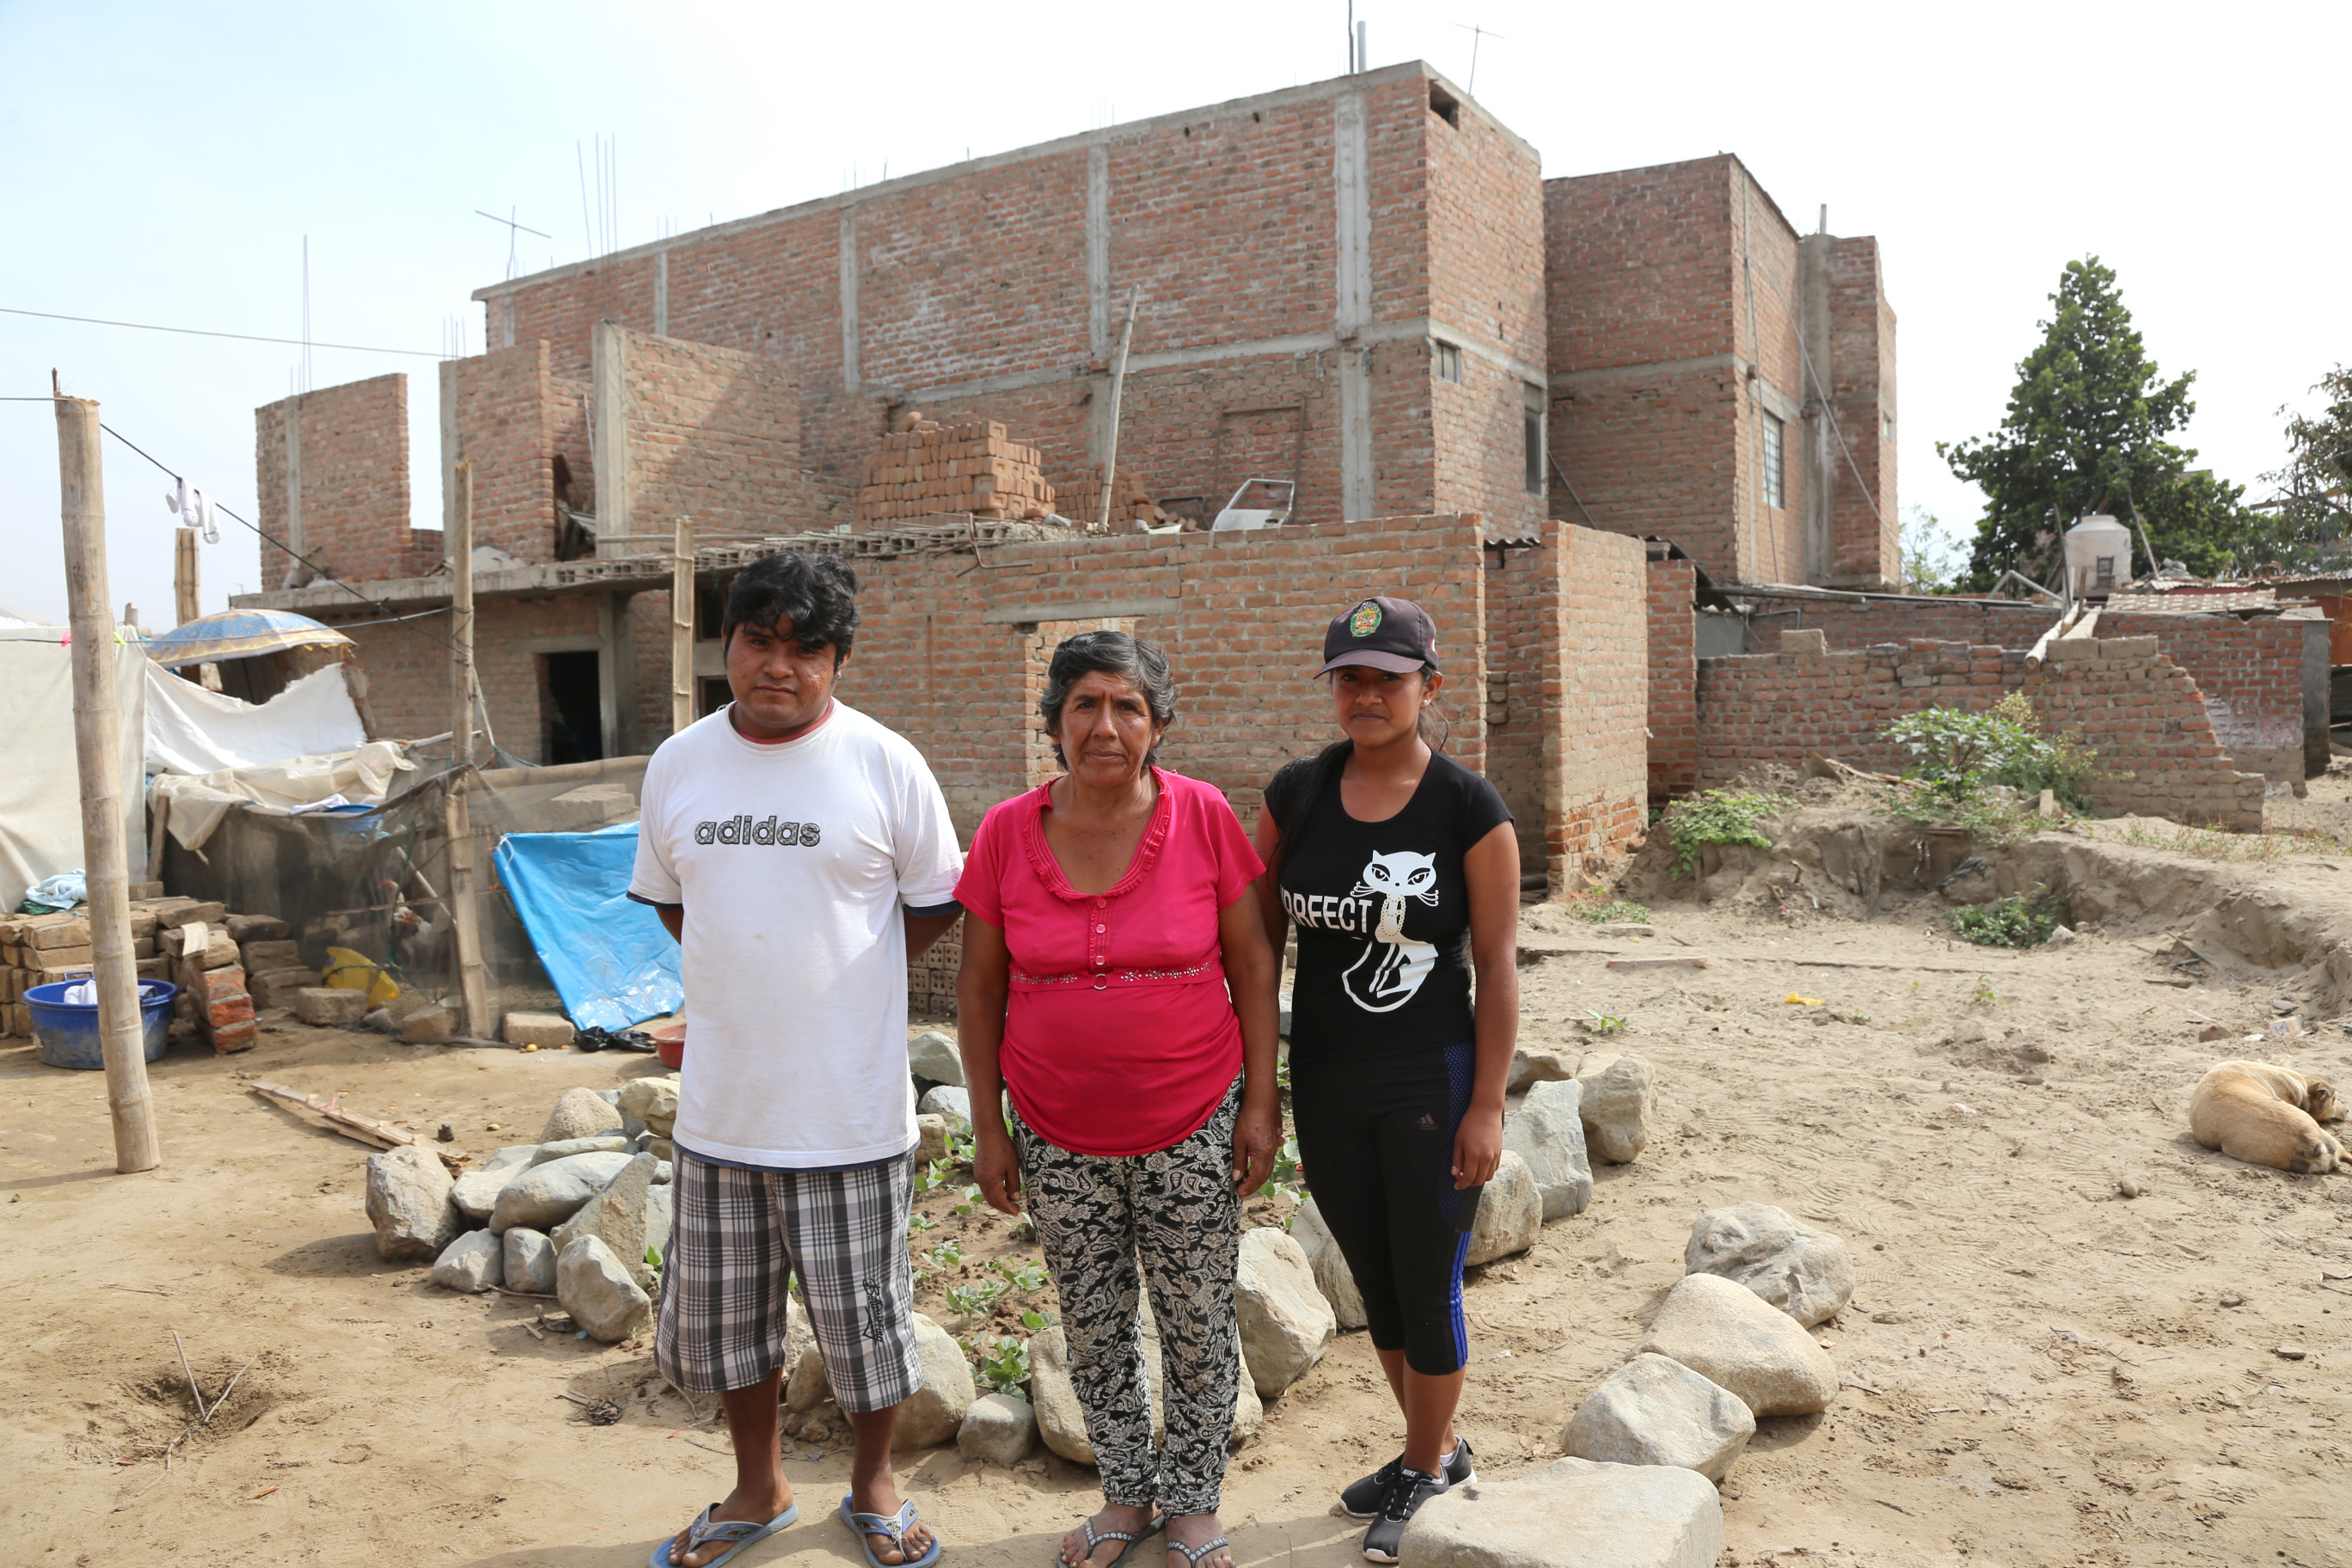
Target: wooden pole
98, 751
473, 986
681, 627
1117, 385
185, 584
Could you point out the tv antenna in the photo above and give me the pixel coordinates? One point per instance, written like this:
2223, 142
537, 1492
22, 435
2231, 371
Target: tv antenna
513, 229
1477, 33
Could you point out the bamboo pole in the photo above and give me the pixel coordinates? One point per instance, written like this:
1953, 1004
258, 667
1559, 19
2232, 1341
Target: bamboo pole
473, 987
184, 581
98, 752
681, 627
1117, 385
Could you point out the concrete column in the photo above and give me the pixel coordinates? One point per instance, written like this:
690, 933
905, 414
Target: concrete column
1352, 288
609, 381
616, 685
661, 301
850, 299
1818, 438
1098, 340
502, 320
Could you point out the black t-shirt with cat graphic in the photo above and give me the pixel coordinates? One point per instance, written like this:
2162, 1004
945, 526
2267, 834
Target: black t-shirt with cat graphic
1382, 911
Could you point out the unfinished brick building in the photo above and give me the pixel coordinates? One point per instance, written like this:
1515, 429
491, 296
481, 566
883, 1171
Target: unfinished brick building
1362, 289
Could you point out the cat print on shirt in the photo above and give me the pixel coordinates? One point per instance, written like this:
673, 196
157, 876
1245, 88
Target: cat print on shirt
1394, 965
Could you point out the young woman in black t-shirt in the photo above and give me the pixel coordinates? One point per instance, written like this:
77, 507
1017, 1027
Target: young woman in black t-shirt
1400, 869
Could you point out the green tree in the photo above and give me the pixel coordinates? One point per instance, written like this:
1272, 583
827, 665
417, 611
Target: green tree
2086, 431
1930, 557
2314, 503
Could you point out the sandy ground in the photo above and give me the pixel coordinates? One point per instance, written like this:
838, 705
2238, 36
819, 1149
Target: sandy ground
2038, 1370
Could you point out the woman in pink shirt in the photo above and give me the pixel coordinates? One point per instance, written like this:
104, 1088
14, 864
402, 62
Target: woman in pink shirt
1106, 914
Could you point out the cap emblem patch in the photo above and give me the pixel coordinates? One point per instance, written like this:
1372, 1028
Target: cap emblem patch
1365, 620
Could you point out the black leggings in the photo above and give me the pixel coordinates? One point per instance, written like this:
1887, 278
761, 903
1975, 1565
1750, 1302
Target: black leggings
1376, 1138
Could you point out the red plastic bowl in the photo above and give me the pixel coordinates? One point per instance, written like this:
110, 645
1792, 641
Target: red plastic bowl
670, 1045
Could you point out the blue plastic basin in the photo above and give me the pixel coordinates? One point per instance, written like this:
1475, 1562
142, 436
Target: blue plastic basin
65, 1034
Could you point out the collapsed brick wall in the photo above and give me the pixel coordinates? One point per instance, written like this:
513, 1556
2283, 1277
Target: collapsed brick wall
1674, 677
2249, 671
350, 447
2157, 751
1597, 691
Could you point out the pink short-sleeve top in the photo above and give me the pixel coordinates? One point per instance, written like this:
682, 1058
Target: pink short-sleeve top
1119, 1036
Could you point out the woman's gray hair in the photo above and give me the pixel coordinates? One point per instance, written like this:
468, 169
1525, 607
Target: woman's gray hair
1141, 664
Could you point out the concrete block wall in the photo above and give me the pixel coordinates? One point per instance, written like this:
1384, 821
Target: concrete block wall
2249, 671
1597, 660
1674, 677
2158, 754
348, 447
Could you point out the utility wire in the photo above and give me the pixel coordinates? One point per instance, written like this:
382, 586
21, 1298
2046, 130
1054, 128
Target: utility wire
201, 332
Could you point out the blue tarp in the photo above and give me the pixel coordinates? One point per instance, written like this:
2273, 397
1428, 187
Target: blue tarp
611, 961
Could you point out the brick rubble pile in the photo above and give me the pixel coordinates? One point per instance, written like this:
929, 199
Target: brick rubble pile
971, 467
227, 967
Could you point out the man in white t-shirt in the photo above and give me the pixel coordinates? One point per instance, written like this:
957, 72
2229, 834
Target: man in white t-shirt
800, 853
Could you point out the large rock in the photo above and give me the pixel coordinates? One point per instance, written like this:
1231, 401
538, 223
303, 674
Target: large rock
1572, 1513
1548, 1133
652, 1100
1510, 1213
1530, 1067
931, 1138
948, 1101
998, 1429
1653, 1411
594, 1286
1807, 1273
1332, 1276
933, 1058
1285, 1323
579, 1113
474, 1262
548, 1031
428, 1027
604, 1143
478, 1190
1616, 1104
409, 1203
545, 1195
1733, 1336
529, 1259
934, 1412
629, 1216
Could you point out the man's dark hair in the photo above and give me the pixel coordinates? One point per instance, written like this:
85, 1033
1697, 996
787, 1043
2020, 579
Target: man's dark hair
1141, 664
816, 594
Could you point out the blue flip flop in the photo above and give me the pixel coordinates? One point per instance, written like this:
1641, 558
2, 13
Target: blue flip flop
895, 1526
742, 1532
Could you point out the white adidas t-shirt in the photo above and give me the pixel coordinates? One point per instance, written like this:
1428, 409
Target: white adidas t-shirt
793, 862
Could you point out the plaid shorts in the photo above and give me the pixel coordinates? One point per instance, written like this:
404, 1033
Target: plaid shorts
736, 1239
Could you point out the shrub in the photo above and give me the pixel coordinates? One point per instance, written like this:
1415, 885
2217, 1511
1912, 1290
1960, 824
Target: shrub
1617, 911
1717, 816
2020, 920
1957, 754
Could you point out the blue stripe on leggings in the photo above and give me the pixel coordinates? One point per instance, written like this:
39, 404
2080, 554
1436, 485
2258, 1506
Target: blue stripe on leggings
1461, 1329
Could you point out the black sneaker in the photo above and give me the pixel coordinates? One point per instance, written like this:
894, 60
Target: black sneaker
1362, 1498
1398, 1503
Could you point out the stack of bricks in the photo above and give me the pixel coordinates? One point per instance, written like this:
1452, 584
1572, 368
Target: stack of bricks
928, 467
1130, 502
194, 939
931, 979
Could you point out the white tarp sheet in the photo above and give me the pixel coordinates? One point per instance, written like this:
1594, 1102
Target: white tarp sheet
192, 731
194, 805
41, 784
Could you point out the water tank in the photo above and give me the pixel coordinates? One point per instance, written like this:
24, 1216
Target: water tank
2098, 555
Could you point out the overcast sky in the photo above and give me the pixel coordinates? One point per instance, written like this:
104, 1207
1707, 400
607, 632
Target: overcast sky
163, 164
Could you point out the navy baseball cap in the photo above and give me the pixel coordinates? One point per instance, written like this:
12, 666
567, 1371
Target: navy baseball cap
1394, 635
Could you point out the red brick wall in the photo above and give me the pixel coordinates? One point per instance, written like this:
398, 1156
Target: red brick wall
2137, 710
1764, 318
1862, 382
1674, 677
2251, 672
1522, 607
506, 430
714, 434
407, 666
1597, 662
355, 496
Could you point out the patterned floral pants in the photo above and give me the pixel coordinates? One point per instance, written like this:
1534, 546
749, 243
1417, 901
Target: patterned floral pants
1174, 1210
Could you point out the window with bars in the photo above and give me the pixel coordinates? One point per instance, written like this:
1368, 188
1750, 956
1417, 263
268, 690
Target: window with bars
1774, 433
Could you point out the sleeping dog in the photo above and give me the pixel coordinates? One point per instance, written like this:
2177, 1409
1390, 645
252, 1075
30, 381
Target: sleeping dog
2267, 1115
